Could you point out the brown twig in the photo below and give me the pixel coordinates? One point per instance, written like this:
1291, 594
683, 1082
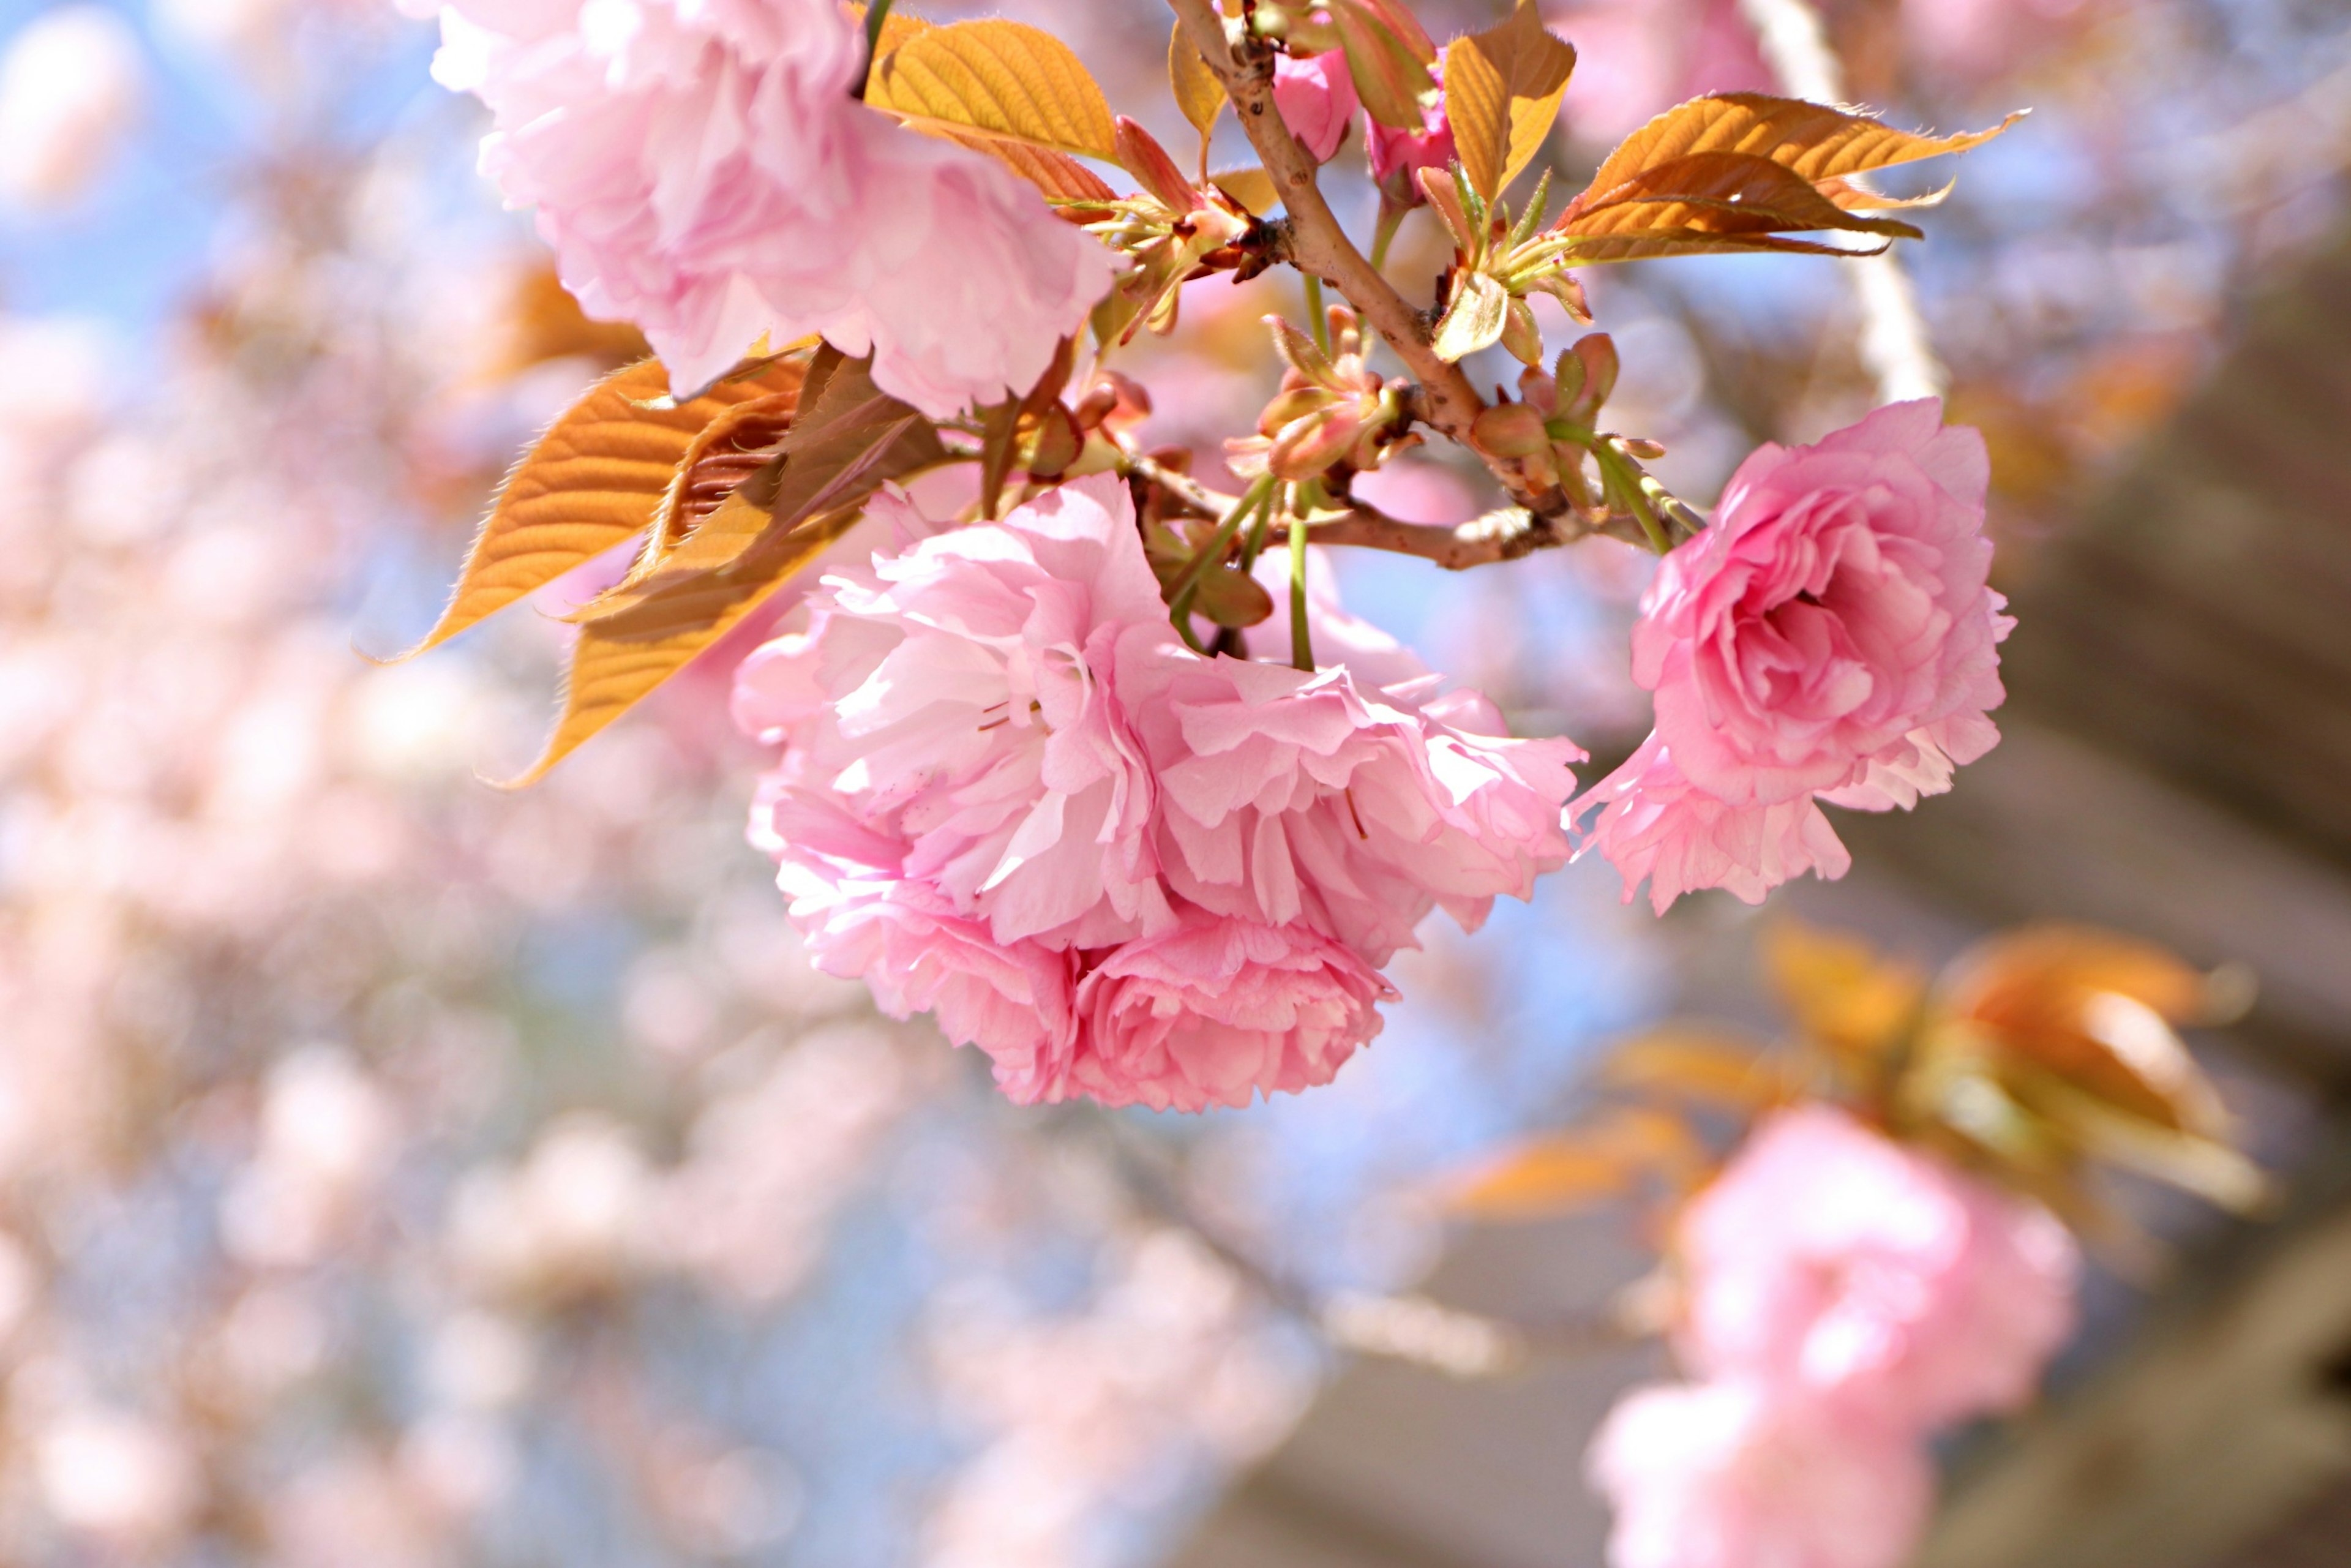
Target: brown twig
1500, 536
1316, 243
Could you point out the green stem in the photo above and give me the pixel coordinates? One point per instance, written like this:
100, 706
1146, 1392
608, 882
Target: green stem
1188, 587
1621, 482
1302, 642
1391, 219
1317, 320
876, 14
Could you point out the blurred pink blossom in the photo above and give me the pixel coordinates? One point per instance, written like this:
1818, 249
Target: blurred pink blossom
1831, 634
1729, 1475
1315, 98
1871, 1278
1640, 58
702, 171
71, 84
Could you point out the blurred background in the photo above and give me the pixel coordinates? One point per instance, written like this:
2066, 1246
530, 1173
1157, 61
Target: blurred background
397, 1173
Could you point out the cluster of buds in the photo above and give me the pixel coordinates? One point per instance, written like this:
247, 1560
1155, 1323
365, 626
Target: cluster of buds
1497, 265
1171, 230
1552, 428
1332, 408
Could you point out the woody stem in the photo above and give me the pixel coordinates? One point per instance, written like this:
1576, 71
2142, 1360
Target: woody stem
1319, 247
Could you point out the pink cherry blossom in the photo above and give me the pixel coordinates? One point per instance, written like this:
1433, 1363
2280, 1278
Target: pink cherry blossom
1729, 1475
1219, 1010
1315, 98
1835, 613
1831, 636
1872, 1277
1012, 796
702, 171
1657, 826
1398, 156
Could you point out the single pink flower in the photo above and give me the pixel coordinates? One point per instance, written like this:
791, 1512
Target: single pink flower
1831, 637
1315, 98
1734, 1475
1657, 826
1397, 157
702, 171
1871, 1277
1009, 794
1835, 614
1220, 1010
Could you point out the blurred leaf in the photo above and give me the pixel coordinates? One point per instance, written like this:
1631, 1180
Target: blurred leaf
1252, 190
1502, 89
1566, 1171
1842, 993
547, 323
1700, 1066
597, 478
2206, 1167
1390, 73
997, 79
1198, 93
2093, 1008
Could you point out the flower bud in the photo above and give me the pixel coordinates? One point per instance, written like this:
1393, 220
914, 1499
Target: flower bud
1509, 430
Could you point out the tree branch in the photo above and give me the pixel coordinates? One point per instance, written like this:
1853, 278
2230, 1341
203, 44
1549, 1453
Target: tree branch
1894, 345
1317, 244
1505, 534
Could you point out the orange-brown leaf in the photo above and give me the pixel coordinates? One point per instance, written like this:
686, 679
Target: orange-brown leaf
998, 79
1719, 195
1817, 142
1700, 1066
1198, 93
1606, 1158
850, 438
620, 658
1842, 992
596, 478
1502, 89
2095, 1008
1069, 185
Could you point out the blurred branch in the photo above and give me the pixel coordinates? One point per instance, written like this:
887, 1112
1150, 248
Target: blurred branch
1406, 1328
1894, 345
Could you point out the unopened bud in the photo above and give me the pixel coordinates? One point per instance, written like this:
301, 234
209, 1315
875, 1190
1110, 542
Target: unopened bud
1598, 355
1509, 430
1520, 336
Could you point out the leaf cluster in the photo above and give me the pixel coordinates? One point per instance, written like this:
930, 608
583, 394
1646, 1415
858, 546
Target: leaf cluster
2038, 1059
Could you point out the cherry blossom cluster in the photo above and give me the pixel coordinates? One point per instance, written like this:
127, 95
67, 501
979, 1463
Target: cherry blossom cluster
1845, 1297
1830, 637
1010, 794
1017, 790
